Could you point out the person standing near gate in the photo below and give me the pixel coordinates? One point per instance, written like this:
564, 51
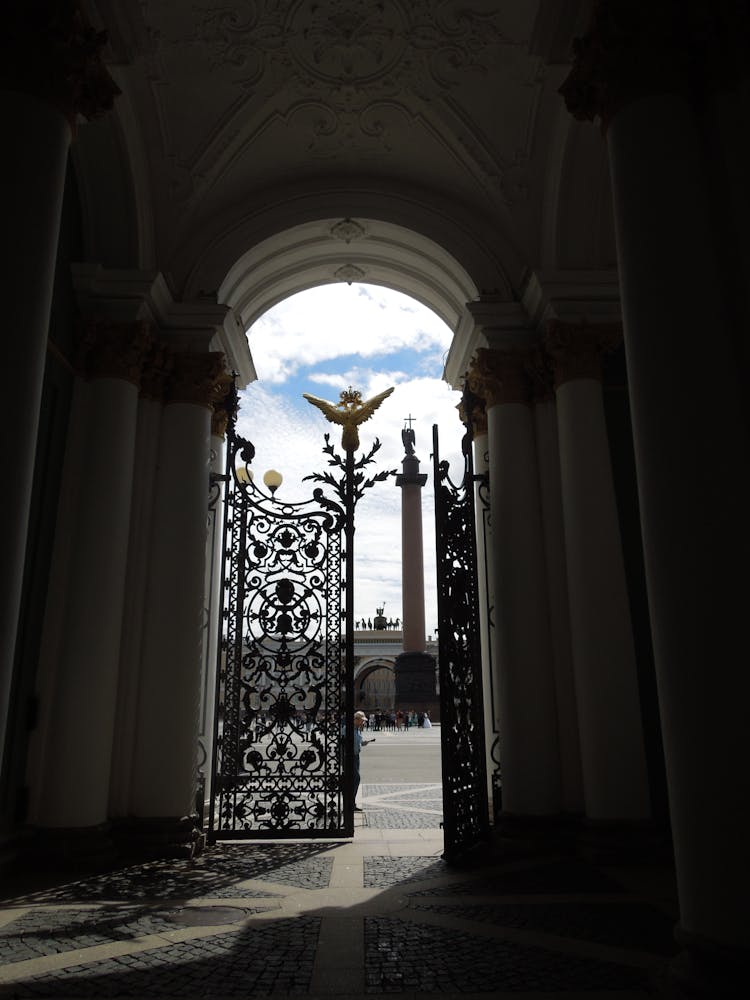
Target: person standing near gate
359, 721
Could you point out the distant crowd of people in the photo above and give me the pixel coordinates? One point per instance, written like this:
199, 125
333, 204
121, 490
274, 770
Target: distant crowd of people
394, 721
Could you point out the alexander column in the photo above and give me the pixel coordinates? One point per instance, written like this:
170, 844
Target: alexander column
415, 668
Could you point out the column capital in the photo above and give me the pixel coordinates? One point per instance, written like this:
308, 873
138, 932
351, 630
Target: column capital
641, 48
114, 350
472, 410
576, 349
66, 70
197, 378
157, 371
500, 376
541, 376
225, 407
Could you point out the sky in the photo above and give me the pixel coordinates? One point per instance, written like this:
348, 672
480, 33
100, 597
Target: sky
321, 341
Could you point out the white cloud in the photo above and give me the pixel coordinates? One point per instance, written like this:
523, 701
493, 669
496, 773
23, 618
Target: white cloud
331, 321
290, 439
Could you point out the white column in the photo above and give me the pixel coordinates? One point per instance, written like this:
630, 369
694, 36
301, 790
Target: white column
545, 426
139, 548
166, 750
74, 783
686, 351
609, 712
691, 445
32, 171
528, 732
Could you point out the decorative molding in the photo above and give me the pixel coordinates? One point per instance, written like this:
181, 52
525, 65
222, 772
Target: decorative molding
356, 61
157, 370
198, 378
473, 408
638, 48
541, 375
349, 273
576, 349
351, 49
225, 407
114, 350
348, 230
501, 376
67, 70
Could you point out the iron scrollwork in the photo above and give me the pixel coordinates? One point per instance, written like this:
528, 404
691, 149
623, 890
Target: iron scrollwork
465, 808
285, 676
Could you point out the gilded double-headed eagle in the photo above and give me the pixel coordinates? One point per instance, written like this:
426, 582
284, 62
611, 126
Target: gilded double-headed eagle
350, 412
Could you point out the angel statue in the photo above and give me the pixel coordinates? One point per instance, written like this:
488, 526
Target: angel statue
350, 412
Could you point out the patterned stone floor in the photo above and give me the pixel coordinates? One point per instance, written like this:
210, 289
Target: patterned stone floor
383, 914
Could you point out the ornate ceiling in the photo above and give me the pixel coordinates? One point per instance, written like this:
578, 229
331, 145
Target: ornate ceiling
241, 119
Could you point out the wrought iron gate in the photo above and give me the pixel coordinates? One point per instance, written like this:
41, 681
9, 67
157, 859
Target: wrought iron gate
283, 745
465, 808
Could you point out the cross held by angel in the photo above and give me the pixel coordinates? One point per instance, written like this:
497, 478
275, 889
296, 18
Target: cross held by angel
349, 412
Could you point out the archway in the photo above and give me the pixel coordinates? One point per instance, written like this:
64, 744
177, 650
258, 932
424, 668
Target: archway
264, 275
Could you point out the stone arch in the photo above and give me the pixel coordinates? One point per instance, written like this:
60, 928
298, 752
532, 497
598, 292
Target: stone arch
483, 255
365, 670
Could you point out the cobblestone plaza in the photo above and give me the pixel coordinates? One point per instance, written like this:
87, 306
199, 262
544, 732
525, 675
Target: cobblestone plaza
380, 914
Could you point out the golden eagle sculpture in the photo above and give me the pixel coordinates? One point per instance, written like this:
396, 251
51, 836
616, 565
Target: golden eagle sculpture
350, 412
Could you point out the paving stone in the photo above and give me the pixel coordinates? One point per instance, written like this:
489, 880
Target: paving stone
216, 871
254, 961
442, 960
569, 876
51, 932
380, 817
626, 925
384, 872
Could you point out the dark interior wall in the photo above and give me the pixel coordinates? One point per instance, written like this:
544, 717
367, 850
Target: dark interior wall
53, 424
620, 433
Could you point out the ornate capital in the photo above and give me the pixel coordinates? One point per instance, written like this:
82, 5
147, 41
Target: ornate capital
197, 378
541, 376
500, 376
114, 350
225, 407
639, 48
472, 410
576, 348
157, 369
50, 50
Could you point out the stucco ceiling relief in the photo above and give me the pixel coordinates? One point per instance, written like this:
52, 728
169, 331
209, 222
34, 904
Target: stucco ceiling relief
342, 77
